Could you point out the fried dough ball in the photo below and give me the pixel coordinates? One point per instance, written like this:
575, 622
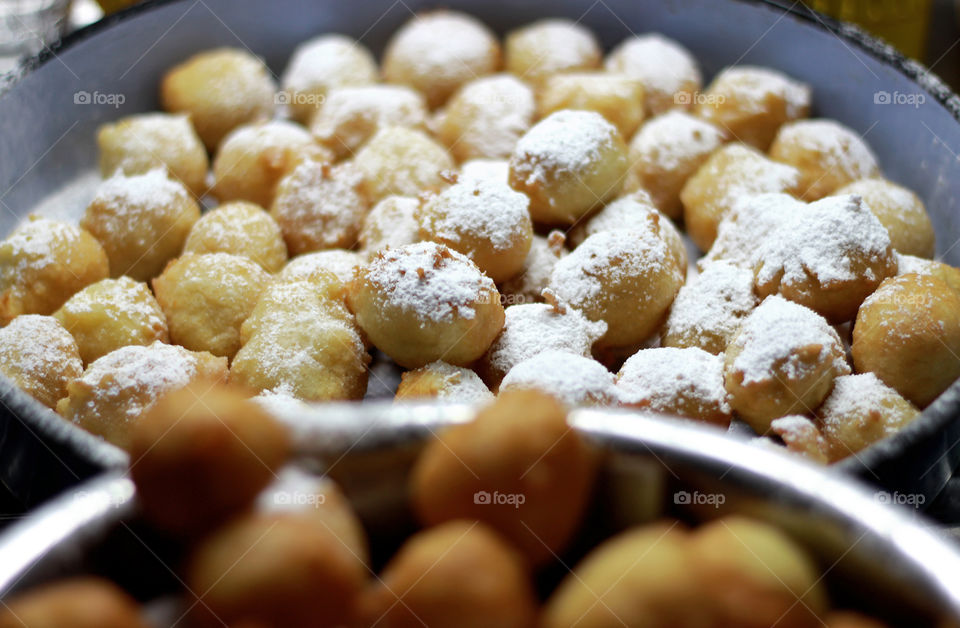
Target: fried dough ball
352, 115
239, 228
641, 577
485, 170
340, 262
486, 221
617, 97
220, 90
318, 294
79, 602
207, 297
439, 380
319, 206
436, 52
756, 576
783, 360
751, 103
709, 308
203, 454
827, 154
908, 334
141, 221
459, 574
731, 172
280, 569
859, 411
666, 152
320, 65
485, 118
138, 144
547, 47
829, 257
627, 279
111, 314
530, 329
253, 159
517, 467
116, 390
40, 357
681, 382
390, 223
802, 436
944, 272
569, 377
568, 163
668, 72
43, 263
752, 219
527, 286
425, 302
402, 162
900, 211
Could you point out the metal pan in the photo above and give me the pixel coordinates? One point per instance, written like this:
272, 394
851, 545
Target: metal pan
876, 557
47, 144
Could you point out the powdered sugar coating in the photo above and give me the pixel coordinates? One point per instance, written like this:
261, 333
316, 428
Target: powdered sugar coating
674, 139
755, 85
153, 190
476, 210
549, 46
448, 383
391, 223
663, 66
751, 220
329, 61
485, 170
39, 356
840, 147
341, 262
858, 395
351, 115
487, 117
571, 378
528, 285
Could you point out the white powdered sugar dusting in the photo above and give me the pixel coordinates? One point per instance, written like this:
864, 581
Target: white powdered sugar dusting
501, 108
392, 222
432, 280
545, 252
460, 384
324, 203
33, 244
35, 346
340, 262
674, 139
443, 43
485, 170
660, 377
755, 85
351, 114
569, 44
564, 141
859, 395
661, 64
570, 377
484, 210
751, 220
771, 335
141, 192
321, 61
840, 148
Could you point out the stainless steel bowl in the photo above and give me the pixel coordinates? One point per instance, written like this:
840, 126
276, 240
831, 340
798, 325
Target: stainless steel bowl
875, 556
47, 147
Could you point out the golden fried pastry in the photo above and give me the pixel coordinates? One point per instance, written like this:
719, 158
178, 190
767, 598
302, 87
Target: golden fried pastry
527, 286
352, 115
220, 90
459, 574
568, 163
908, 334
625, 278
390, 223
438, 51
279, 569
138, 144
828, 257
485, 118
755, 576
901, 212
425, 302
341, 262
319, 206
530, 329
253, 159
731, 172
117, 389
751, 103
43, 263
320, 65
203, 453
802, 436
783, 360
79, 602
517, 467
207, 297
40, 357
944, 272
682, 382
403, 162
486, 221
568, 377
667, 151
317, 294
751, 220
668, 72
709, 308
142, 222
439, 380
617, 97
550, 46
239, 228
640, 577
859, 411
110, 314
827, 154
